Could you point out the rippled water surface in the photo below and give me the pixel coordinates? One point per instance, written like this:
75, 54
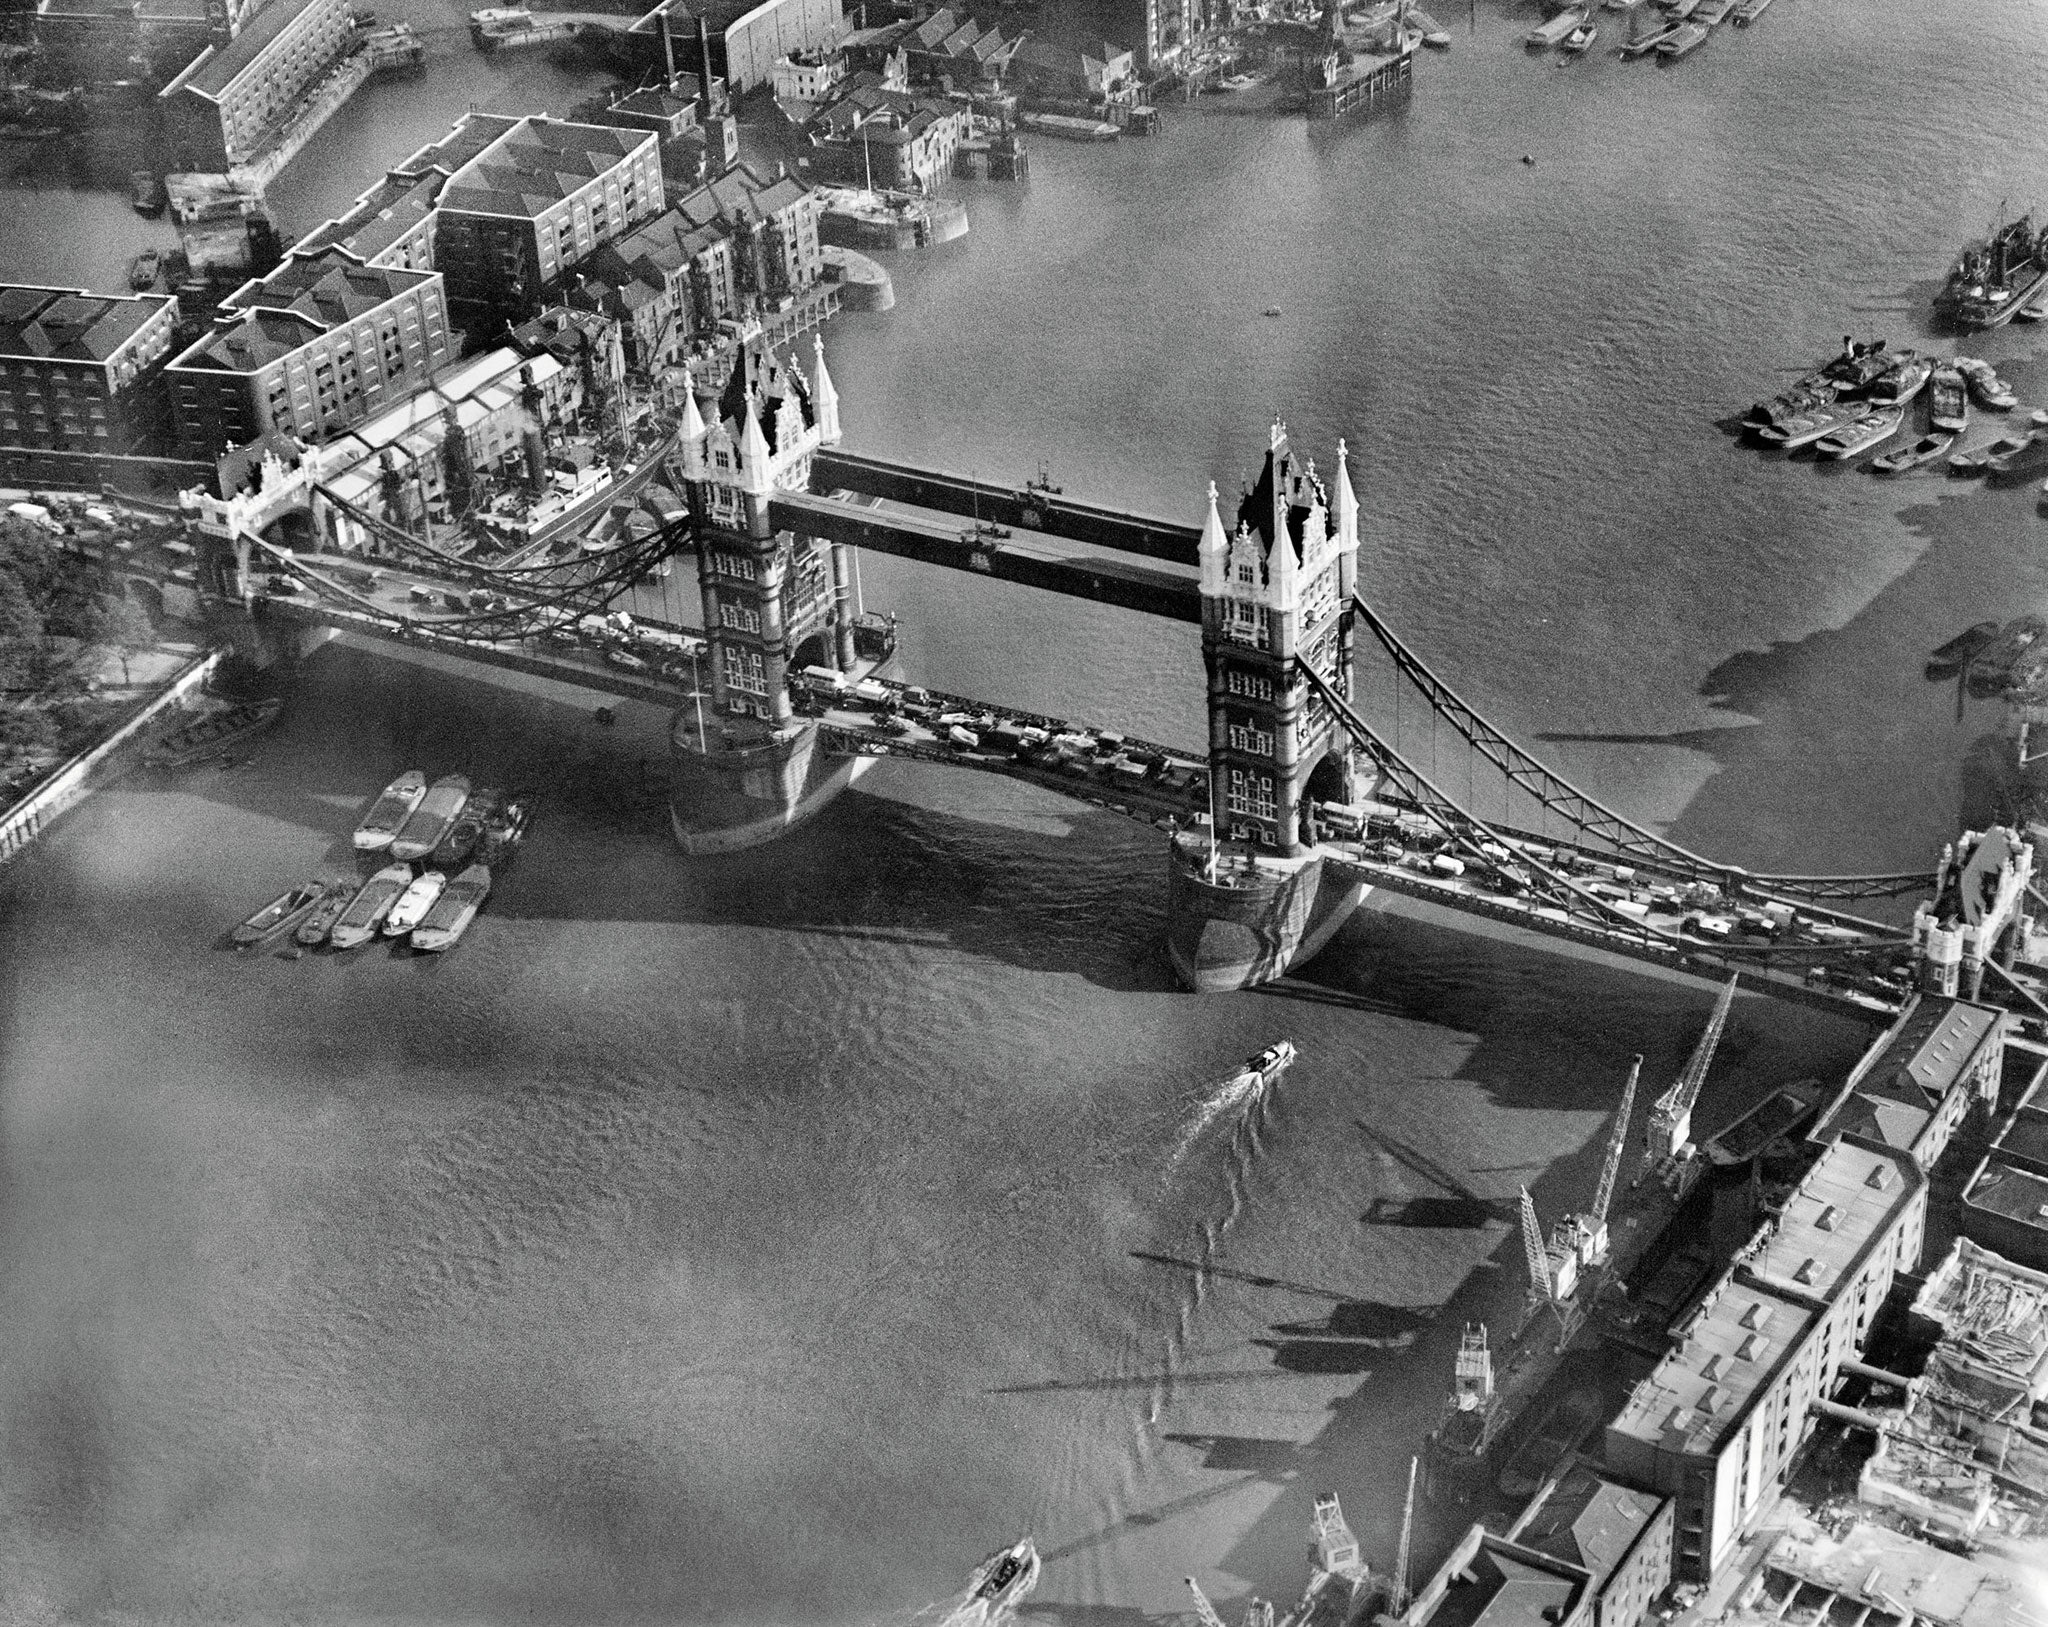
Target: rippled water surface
765, 1239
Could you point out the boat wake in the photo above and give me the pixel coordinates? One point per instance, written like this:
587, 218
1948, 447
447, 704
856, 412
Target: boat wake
1243, 1095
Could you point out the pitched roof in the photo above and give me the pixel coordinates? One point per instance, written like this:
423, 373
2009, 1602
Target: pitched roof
535, 164
762, 380
64, 324
326, 288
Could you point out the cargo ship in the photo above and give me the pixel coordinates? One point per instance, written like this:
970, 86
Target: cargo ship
1993, 279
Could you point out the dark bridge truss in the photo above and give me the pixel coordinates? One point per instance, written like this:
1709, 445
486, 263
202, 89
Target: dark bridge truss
1557, 902
1593, 822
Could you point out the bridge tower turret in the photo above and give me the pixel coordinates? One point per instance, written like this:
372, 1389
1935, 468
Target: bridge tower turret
1276, 590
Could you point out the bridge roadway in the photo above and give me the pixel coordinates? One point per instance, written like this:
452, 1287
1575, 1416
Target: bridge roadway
1804, 971
1034, 508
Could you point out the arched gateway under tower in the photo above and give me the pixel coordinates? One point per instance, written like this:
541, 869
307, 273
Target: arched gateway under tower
1249, 898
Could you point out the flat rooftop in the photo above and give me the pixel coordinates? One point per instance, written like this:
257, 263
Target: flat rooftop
69, 324
1751, 1321
2025, 1140
534, 165
2014, 1194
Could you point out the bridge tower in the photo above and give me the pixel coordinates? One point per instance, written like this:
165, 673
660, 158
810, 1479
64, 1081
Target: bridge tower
1251, 898
746, 767
1276, 591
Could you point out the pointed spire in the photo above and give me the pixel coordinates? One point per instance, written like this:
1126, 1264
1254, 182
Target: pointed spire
1345, 504
754, 455
1283, 570
824, 396
691, 431
1214, 551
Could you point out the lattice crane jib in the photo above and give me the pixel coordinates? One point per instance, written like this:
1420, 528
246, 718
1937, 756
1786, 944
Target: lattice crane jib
1205, 1612
1533, 1250
1400, 1601
1593, 1224
1671, 1118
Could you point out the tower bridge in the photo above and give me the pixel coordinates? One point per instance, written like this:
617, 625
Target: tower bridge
1308, 793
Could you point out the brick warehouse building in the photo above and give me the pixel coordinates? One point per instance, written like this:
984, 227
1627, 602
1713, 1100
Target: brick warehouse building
82, 372
318, 345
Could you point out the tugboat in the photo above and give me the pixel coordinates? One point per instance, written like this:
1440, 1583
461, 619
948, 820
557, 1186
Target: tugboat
314, 929
359, 922
277, 913
143, 268
452, 912
999, 1584
503, 831
1995, 278
1990, 669
391, 810
212, 734
454, 849
1948, 400
1903, 380
429, 822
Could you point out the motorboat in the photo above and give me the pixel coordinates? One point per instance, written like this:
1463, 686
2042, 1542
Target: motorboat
366, 911
450, 914
1924, 450
429, 822
286, 907
411, 906
998, 1586
394, 805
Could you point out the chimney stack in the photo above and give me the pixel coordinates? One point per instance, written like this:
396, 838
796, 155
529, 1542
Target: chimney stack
536, 459
668, 47
704, 67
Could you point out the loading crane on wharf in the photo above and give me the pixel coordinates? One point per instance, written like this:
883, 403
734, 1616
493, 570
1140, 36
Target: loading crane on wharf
1337, 1578
1580, 1245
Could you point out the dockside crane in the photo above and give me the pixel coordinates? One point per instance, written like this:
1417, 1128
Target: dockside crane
1205, 1612
1591, 1227
1407, 1537
1540, 1286
1669, 1135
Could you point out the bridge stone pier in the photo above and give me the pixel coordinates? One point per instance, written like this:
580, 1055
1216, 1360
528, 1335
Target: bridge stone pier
1250, 897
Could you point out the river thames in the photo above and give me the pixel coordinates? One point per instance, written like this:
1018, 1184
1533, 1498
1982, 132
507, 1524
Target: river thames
765, 1239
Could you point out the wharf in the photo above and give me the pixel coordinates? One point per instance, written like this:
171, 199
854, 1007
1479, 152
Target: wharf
256, 170
1363, 87
1467, 1447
